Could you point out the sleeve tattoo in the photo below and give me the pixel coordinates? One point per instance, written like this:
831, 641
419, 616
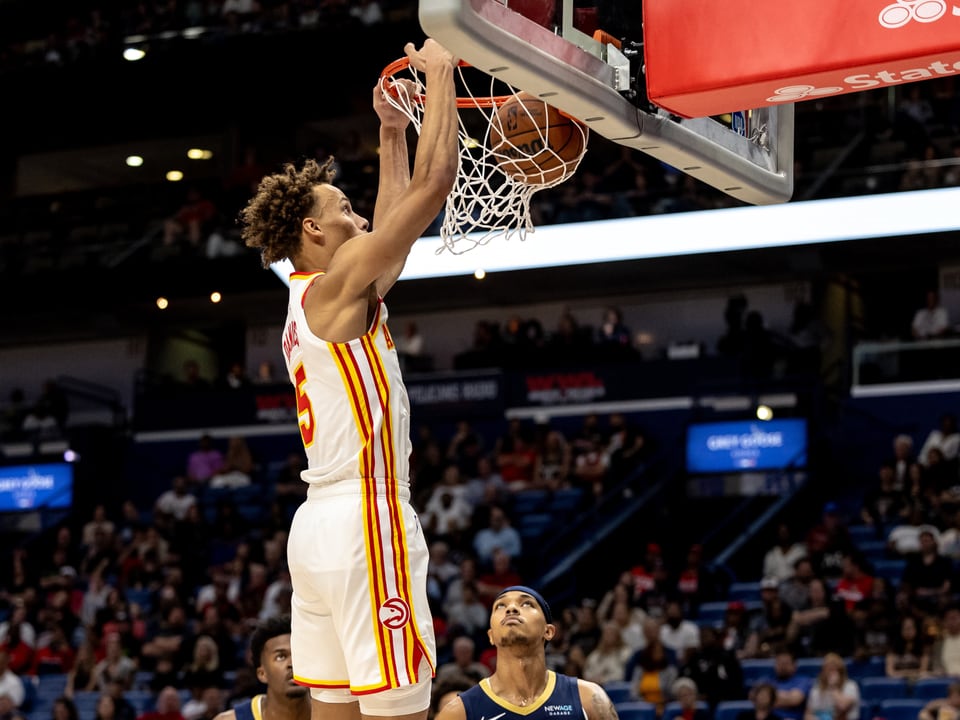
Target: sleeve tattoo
601, 708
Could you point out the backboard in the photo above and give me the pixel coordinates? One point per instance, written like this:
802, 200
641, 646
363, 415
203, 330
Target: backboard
600, 83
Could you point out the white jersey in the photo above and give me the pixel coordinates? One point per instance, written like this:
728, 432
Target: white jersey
352, 406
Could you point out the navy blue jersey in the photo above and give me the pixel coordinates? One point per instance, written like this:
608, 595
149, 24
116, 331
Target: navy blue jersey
560, 700
249, 709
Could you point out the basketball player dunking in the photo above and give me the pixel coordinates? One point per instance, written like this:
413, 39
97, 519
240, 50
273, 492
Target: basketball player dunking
362, 634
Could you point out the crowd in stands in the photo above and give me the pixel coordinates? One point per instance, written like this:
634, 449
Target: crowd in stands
148, 609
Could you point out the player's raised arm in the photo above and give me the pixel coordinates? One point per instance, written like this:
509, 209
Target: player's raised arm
394, 166
364, 259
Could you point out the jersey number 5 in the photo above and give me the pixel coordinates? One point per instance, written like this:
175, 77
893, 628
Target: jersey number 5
304, 409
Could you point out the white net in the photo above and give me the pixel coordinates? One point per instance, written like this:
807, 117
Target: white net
512, 145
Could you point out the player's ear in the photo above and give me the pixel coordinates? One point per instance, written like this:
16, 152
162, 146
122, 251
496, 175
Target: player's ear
261, 674
549, 631
490, 637
312, 228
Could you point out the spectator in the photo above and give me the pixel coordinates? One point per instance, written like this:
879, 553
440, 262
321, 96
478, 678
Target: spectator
410, 347
11, 685
463, 664
106, 708
98, 521
945, 653
927, 575
56, 656
236, 377
608, 660
64, 709
9, 711
554, 462
932, 320
238, 465
630, 622
686, 695
652, 670
168, 706
903, 458
116, 666
909, 654
768, 629
875, 622
80, 676
498, 534
585, 631
828, 542
735, 631
205, 704
517, 461
614, 339
204, 462
467, 575
855, 583
834, 696
20, 654
792, 688
946, 437
172, 505
501, 575
795, 590
441, 570
468, 616
780, 560
947, 708
884, 505
204, 669
904, 539
763, 696
716, 671
447, 514
679, 635
486, 487
823, 625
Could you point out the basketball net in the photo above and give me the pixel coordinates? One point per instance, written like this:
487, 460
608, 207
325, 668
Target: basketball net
486, 202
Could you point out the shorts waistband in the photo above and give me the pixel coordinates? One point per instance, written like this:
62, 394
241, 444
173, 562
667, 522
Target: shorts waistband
354, 487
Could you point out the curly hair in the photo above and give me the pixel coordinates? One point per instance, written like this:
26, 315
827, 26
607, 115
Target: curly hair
271, 219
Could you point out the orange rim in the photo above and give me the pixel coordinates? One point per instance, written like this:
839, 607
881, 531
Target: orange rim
462, 102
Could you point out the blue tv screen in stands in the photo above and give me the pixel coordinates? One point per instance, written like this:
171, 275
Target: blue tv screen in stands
746, 445
34, 487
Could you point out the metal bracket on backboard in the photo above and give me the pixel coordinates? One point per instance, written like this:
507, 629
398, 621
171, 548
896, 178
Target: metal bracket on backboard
528, 56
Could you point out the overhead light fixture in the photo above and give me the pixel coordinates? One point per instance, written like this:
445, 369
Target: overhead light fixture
132, 54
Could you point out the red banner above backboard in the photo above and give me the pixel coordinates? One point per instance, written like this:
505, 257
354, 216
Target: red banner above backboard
709, 58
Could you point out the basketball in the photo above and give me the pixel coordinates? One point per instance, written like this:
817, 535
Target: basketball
534, 142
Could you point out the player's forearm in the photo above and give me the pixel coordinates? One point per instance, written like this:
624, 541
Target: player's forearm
437, 159
394, 170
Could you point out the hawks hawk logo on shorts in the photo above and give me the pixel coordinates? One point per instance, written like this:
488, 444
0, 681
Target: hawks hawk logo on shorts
394, 613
